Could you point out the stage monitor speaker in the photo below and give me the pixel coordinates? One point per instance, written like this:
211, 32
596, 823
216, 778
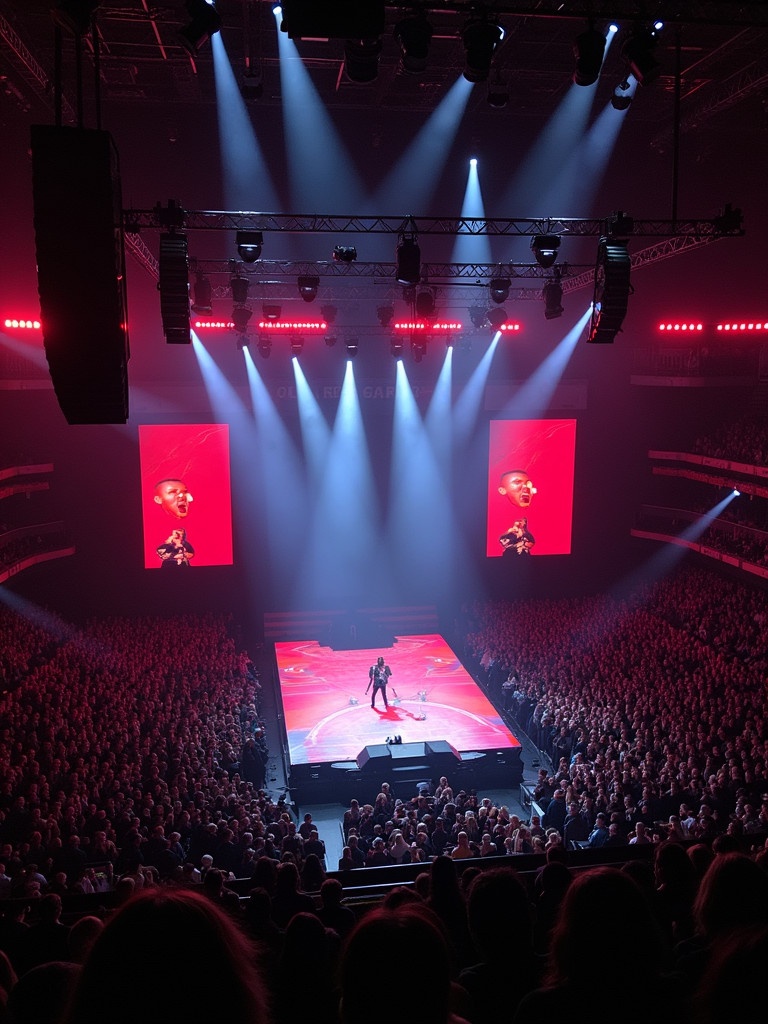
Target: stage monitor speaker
409, 751
81, 271
443, 748
375, 755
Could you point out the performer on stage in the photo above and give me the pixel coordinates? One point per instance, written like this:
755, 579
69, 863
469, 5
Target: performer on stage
378, 677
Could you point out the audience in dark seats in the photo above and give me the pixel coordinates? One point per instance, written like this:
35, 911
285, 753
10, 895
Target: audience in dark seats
500, 918
169, 954
410, 946
288, 898
605, 910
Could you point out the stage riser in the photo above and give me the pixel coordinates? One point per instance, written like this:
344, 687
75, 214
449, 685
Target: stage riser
326, 783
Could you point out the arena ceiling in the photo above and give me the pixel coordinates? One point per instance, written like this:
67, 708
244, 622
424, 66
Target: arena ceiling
720, 48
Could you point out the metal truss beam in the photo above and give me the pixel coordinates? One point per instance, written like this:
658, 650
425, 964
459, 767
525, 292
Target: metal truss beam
431, 273
28, 68
652, 254
224, 220
689, 12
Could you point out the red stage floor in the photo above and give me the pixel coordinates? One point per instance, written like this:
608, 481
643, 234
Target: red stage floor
328, 716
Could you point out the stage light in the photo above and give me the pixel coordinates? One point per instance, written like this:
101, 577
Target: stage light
396, 347
361, 59
408, 260
751, 325
252, 84
613, 28
497, 317
418, 349
270, 311
283, 326
509, 327
328, 314
480, 37
242, 342
498, 91
414, 34
18, 324
308, 288
202, 292
297, 345
588, 49
425, 303
552, 294
240, 317
638, 51
265, 346
499, 289
736, 494
344, 253
687, 326
352, 345
330, 340
544, 248
205, 23
384, 315
619, 225
239, 286
622, 95
74, 15
249, 245
478, 315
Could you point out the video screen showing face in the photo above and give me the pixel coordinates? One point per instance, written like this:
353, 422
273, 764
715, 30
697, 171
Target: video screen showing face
530, 488
185, 495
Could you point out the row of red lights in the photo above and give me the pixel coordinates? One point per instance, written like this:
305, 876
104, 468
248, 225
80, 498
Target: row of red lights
691, 326
743, 327
687, 327
23, 324
430, 325
681, 327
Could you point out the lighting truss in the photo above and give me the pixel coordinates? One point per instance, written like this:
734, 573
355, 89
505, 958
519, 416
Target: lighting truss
222, 220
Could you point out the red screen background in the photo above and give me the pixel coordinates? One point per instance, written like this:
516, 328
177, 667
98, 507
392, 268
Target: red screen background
197, 454
546, 449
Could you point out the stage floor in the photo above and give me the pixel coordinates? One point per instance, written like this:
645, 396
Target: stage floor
328, 717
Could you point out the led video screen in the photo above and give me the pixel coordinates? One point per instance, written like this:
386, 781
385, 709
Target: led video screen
530, 488
185, 495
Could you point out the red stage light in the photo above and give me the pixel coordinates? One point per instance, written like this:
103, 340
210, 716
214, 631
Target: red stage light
435, 326
510, 325
679, 325
17, 324
206, 325
751, 325
292, 325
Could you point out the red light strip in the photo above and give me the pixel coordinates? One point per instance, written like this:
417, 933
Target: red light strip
14, 324
206, 325
688, 327
510, 327
292, 325
750, 325
423, 325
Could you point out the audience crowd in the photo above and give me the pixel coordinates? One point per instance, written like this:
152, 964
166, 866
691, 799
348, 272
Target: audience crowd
133, 757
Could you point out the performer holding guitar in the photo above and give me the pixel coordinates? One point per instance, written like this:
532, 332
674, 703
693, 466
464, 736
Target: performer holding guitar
378, 677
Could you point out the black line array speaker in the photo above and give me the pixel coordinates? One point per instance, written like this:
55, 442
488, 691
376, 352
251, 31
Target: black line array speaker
174, 288
81, 271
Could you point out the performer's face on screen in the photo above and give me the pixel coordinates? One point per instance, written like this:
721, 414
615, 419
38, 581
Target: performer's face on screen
518, 487
172, 495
